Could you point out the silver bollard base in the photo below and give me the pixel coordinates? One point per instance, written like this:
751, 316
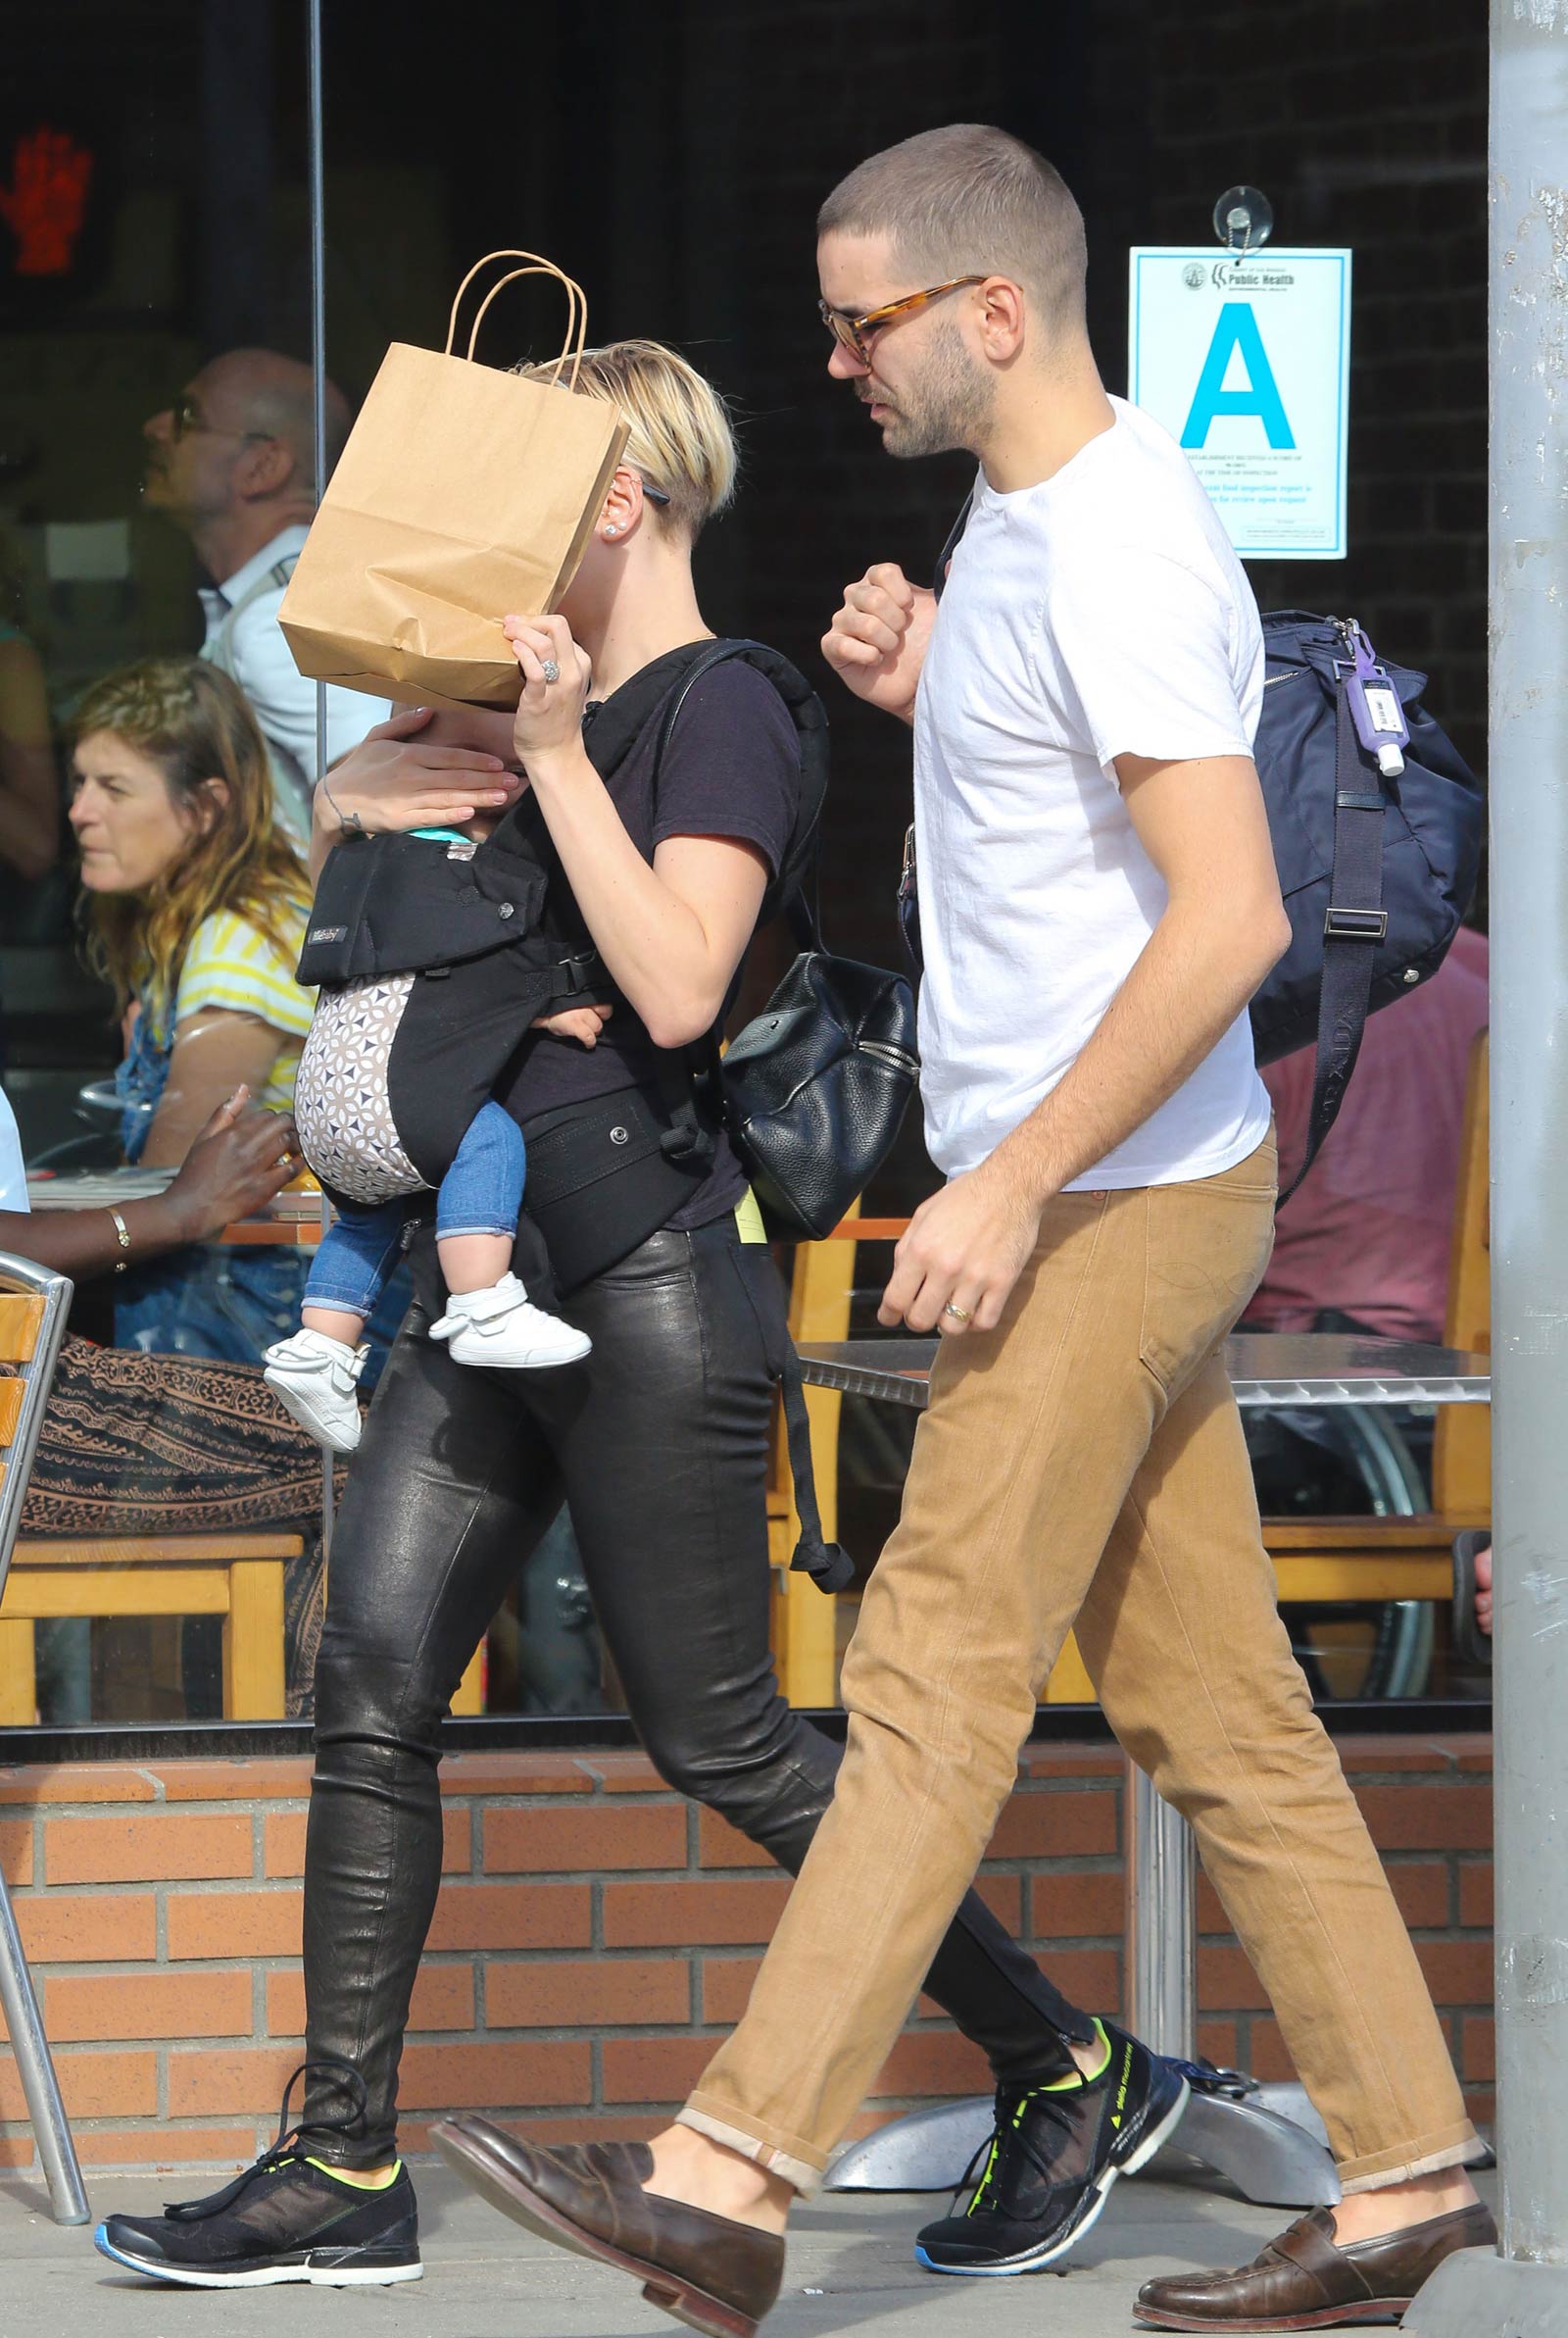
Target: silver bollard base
1478, 2294
1270, 2159
926, 2152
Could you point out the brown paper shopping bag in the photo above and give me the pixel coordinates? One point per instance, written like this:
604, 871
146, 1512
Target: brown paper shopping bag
463, 494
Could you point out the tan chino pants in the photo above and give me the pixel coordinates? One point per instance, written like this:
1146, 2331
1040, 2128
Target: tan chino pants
1084, 1463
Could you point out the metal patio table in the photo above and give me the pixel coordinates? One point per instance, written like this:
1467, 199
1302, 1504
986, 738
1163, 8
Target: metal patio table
1268, 2140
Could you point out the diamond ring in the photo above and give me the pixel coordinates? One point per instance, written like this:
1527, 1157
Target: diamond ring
550, 669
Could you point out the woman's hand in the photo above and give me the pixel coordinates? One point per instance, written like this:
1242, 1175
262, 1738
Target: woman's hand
549, 713
398, 778
241, 1158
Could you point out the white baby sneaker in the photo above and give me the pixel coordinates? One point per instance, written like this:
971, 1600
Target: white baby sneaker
316, 1379
500, 1327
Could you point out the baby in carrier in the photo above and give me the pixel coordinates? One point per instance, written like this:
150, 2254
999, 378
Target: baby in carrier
349, 1139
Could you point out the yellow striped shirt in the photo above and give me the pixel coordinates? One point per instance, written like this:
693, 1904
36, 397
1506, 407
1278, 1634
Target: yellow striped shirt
233, 968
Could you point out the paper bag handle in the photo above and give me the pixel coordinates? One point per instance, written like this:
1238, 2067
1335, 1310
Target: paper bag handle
576, 306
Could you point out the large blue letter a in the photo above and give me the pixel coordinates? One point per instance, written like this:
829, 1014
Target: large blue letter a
1237, 330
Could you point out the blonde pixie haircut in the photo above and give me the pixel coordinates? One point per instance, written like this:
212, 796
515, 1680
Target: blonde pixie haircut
681, 437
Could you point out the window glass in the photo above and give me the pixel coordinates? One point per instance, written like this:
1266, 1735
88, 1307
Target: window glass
154, 451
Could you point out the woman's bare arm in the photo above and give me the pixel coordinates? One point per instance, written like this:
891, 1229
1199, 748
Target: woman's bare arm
236, 1166
671, 935
216, 1051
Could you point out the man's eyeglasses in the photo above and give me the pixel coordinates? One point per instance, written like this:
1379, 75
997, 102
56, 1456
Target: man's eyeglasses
851, 332
185, 421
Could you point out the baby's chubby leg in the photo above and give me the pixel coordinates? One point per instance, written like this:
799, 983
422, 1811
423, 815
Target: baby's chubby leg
489, 1317
315, 1374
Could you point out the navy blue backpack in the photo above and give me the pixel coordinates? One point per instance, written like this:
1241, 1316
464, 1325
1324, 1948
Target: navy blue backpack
1376, 873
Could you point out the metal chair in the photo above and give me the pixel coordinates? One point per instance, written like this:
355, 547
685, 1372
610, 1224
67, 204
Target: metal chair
32, 1324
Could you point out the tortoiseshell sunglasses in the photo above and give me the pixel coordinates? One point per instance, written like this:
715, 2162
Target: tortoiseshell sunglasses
850, 331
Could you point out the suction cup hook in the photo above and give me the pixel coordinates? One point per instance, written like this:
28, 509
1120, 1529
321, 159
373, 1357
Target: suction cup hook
1243, 220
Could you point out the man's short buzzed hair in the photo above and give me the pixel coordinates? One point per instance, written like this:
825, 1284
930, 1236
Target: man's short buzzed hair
970, 200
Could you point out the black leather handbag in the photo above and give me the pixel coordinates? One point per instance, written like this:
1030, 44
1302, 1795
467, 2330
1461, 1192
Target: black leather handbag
816, 1087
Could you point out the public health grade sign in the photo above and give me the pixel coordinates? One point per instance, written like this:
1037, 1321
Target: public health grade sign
1246, 361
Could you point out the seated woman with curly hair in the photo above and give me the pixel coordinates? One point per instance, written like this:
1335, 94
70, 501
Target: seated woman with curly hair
195, 913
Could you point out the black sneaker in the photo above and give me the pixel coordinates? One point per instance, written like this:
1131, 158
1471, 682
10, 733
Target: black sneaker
1052, 2160
284, 2220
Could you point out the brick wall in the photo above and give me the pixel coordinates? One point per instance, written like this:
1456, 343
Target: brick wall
593, 1936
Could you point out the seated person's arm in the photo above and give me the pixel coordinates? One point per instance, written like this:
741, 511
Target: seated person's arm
30, 785
214, 1051
234, 1166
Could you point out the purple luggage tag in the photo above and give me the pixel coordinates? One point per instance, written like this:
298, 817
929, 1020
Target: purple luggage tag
1375, 707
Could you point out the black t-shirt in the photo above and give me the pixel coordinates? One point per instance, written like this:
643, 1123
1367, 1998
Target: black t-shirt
732, 768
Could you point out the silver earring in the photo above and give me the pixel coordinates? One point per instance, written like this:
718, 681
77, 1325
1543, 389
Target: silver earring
611, 529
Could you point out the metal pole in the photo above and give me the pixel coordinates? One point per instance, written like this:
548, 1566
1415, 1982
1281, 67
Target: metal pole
318, 146
1161, 1921
18, 2003
1524, 2289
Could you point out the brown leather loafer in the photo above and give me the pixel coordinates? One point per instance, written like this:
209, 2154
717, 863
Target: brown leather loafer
1302, 2281
709, 2272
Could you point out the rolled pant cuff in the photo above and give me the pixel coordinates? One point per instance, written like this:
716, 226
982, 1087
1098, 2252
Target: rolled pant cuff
781, 2154
1447, 2147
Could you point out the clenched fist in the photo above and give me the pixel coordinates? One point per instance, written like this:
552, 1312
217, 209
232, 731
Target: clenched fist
877, 640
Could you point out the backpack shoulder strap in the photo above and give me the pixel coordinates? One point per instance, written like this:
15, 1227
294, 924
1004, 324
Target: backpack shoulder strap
955, 538
1353, 924
793, 892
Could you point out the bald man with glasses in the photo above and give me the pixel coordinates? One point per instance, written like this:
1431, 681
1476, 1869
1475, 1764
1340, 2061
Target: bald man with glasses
232, 463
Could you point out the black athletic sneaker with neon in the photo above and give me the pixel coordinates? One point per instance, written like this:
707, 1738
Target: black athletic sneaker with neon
286, 2218
1051, 2159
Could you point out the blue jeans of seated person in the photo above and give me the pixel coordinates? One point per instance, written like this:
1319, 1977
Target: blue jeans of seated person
481, 1193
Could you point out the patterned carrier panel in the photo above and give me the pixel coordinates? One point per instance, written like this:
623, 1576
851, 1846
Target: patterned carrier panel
341, 1106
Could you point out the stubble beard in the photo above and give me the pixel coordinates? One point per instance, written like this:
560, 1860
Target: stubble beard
949, 405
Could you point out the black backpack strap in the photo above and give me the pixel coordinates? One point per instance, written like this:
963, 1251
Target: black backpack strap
939, 582
694, 1097
1353, 925
695, 1102
828, 1564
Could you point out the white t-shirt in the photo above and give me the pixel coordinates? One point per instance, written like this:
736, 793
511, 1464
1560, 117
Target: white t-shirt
13, 1174
1102, 613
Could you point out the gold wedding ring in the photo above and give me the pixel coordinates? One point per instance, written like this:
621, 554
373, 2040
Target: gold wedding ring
960, 1315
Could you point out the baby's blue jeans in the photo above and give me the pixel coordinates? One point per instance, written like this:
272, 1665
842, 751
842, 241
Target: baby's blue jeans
481, 1193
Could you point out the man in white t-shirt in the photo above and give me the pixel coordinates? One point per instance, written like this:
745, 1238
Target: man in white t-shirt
232, 462
1098, 902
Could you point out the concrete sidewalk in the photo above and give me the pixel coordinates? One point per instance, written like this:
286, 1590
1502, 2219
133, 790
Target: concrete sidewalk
849, 2268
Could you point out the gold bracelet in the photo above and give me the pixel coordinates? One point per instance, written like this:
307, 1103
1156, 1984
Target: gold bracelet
123, 1237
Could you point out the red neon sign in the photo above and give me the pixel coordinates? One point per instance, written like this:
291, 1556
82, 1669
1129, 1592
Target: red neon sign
45, 205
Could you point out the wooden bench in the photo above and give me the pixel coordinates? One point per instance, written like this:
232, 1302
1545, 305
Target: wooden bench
237, 1576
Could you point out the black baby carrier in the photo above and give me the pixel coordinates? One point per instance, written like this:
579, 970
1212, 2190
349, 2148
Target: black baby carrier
492, 939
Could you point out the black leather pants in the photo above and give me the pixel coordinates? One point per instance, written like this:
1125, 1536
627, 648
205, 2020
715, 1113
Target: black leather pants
660, 1443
